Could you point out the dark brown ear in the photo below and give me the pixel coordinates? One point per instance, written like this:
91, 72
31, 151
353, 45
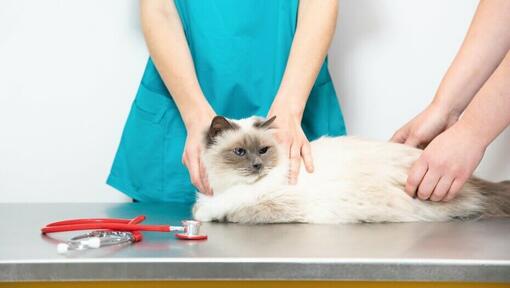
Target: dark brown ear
218, 125
265, 124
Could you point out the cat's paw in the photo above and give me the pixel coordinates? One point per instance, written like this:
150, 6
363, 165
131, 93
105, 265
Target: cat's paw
203, 213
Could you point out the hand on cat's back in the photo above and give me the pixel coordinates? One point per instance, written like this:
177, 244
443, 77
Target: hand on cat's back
449, 159
290, 135
423, 128
445, 165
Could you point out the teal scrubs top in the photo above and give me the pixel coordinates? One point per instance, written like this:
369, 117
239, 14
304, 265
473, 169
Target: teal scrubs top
240, 50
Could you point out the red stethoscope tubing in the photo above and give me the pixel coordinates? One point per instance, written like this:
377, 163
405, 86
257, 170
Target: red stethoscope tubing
103, 223
137, 235
97, 220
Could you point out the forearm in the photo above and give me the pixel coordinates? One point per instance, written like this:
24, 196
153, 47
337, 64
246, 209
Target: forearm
488, 114
168, 48
485, 45
315, 28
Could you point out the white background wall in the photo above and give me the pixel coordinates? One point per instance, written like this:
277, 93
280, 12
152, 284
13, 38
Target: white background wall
69, 71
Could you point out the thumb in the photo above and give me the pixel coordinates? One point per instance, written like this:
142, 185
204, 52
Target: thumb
412, 141
400, 136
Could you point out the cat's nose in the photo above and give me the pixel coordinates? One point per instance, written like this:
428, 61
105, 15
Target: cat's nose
257, 166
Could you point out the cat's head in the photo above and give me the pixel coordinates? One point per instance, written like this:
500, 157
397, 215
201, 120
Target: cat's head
239, 151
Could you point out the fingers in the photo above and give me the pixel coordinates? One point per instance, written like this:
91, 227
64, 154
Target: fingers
192, 162
416, 174
408, 137
399, 137
442, 188
204, 178
412, 141
294, 144
295, 162
428, 183
404, 136
454, 189
306, 153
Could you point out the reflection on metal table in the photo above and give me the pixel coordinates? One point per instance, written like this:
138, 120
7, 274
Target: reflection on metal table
477, 251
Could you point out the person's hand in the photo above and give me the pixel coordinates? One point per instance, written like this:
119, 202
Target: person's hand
425, 126
290, 135
191, 157
445, 165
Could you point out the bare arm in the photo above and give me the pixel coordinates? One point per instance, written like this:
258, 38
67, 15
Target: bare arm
489, 112
168, 48
454, 148
450, 159
485, 45
315, 28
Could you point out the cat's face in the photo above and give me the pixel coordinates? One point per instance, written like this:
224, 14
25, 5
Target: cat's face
243, 150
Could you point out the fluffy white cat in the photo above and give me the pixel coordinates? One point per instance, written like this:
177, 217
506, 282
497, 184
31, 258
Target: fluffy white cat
354, 181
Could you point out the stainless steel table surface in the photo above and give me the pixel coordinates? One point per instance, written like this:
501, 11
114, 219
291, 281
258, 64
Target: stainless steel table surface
453, 251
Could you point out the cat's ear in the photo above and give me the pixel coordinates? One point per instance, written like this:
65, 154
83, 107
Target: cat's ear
218, 125
264, 124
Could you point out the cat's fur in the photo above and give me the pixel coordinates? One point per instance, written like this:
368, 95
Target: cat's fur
354, 181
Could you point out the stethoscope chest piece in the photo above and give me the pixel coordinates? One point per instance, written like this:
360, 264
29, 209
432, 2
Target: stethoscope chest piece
191, 231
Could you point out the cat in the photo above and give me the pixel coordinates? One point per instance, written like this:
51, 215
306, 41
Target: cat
354, 181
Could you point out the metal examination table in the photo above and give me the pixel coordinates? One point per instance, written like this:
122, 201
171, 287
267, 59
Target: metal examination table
406, 255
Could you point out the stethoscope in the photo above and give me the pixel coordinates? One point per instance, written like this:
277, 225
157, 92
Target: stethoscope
116, 231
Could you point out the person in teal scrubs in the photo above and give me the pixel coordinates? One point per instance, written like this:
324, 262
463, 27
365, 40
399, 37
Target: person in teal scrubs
231, 58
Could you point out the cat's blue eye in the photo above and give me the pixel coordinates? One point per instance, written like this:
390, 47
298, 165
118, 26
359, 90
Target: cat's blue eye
263, 150
239, 151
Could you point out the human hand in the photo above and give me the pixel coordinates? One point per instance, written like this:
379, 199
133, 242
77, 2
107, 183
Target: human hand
290, 135
425, 126
445, 165
191, 157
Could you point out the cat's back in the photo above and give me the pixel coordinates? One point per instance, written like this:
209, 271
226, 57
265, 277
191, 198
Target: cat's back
348, 156
355, 148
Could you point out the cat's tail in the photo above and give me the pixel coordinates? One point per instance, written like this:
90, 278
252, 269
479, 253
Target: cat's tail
497, 197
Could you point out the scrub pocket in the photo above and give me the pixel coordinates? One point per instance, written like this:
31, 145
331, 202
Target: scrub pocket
146, 144
148, 165
138, 166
